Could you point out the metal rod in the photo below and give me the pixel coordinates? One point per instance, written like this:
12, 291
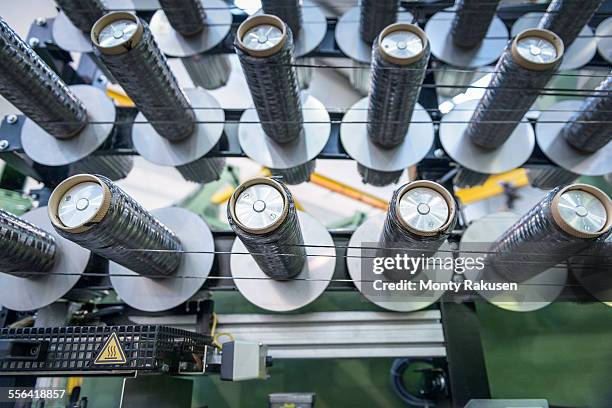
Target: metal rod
264, 46
24, 247
400, 57
565, 222
82, 13
126, 47
290, 11
527, 64
421, 214
566, 18
96, 214
590, 128
471, 22
185, 16
375, 16
29, 84
262, 214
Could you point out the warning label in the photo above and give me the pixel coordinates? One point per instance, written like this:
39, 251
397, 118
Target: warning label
112, 352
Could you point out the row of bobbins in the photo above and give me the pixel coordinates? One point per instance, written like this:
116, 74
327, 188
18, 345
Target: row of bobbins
283, 259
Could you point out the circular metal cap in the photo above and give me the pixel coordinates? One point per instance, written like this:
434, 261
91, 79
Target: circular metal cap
78, 201
425, 207
402, 43
582, 210
259, 205
116, 33
537, 49
262, 35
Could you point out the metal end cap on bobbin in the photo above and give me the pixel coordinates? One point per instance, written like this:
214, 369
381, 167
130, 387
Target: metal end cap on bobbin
78, 202
262, 35
537, 49
402, 43
582, 210
425, 208
259, 206
116, 32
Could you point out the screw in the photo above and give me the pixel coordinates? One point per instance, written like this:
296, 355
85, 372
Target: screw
4, 144
438, 153
41, 21
11, 119
33, 42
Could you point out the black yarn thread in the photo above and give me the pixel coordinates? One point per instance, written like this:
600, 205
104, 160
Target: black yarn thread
280, 253
290, 11
550, 177
378, 178
469, 178
532, 245
506, 105
375, 16
144, 74
24, 247
82, 13
296, 175
275, 90
566, 18
590, 137
203, 170
115, 167
471, 22
127, 227
29, 84
208, 71
396, 239
185, 16
394, 92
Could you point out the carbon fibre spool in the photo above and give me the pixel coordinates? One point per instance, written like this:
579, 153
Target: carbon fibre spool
421, 215
526, 66
289, 11
467, 178
113, 167
32, 242
124, 42
281, 259
565, 19
547, 178
377, 131
590, 129
186, 29
24, 247
167, 132
262, 213
564, 223
29, 84
471, 21
93, 212
400, 58
264, 46
375, 15
286, 129
82, 13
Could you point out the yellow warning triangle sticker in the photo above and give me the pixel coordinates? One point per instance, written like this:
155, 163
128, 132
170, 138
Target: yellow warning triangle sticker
112, 352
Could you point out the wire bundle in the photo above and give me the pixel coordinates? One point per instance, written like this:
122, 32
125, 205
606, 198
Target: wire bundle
185, 16
274, 87
142, 71
510, 94
592, 136
398, 238
29, 84
126, 234
471, 22
24, 247
280, 253
289, 11
537, 242
566, 18
375, 16
394, 91
82, 13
